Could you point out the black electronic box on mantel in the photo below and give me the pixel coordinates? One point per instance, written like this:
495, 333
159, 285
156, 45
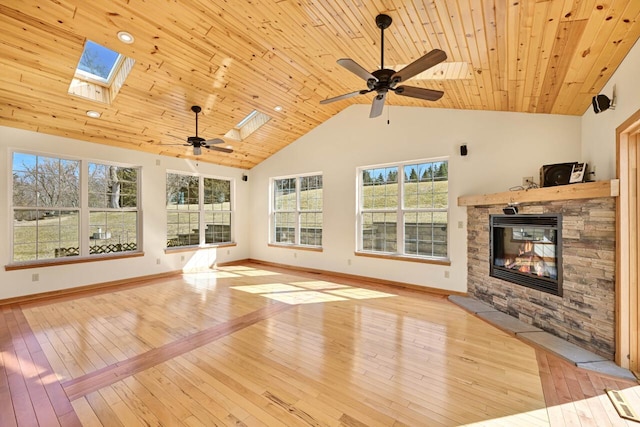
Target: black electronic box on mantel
562, 174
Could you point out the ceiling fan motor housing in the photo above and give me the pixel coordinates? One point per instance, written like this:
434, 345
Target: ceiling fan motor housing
384, 79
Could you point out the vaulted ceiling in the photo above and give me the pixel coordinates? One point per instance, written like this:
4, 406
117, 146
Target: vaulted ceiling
233, 57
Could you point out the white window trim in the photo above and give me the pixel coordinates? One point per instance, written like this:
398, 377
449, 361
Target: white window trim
297, 212
83, 209
201, 211
400, 211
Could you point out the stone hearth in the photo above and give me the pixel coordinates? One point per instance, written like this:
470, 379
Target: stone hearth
584, 315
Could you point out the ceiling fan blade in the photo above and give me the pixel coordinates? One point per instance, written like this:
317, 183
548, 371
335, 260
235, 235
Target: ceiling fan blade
220, 149
356, 69
213, 141
377, 105
345, 96
425, 62
418, 92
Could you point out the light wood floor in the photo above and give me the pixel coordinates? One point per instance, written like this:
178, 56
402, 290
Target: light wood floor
264, 346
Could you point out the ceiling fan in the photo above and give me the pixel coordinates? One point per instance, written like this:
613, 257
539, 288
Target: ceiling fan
199, 143
384, 80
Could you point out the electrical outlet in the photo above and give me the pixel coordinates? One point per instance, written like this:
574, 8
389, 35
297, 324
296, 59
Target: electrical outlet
35, 277
228, 251
295, 254
527, 181
460, 224
181, 257
348, 261
158, 261
446, 274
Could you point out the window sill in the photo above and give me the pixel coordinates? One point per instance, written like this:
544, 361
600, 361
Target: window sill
197, 247
404, 258
69, 260
296, 247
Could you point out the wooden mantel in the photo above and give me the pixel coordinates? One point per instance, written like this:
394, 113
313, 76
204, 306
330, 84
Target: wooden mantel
585, 190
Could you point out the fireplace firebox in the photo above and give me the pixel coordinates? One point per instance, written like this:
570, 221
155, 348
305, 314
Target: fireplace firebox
527, 250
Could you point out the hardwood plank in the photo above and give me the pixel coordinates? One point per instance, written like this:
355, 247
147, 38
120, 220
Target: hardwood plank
398, 358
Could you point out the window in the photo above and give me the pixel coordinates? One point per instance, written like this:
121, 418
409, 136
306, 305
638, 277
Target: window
403, 209
198, 210
52, 199
113, 208
98, 63
100, 73
248, 125
296, 213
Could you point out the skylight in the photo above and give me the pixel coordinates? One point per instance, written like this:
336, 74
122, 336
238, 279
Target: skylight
100, 73
248, 125
98, 63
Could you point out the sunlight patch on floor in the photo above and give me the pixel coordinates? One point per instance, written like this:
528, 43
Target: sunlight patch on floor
319, 285
310, 292
303, 297
267, 288
537, 417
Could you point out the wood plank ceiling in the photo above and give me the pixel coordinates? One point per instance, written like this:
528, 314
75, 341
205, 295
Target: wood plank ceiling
232, 57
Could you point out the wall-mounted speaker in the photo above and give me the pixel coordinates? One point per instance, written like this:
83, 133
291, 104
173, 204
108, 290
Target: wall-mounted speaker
245, 177
558, 174
463, 150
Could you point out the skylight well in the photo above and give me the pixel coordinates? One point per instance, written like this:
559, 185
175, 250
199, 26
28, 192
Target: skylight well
100, 73
248, 125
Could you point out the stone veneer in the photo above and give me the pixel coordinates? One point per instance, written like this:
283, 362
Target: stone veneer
584, 315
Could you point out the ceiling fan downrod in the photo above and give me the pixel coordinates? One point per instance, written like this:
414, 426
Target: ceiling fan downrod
196, 109
383, 22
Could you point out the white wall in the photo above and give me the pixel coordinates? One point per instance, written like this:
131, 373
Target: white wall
503, 148
19, 282
599, 130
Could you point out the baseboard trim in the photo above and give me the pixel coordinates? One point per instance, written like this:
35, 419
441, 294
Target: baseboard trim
63, 293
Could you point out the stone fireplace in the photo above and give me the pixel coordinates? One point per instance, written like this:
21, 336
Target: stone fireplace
584, 312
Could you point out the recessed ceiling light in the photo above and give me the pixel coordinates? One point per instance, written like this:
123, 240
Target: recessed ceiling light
278, 108
93, 114
125, 37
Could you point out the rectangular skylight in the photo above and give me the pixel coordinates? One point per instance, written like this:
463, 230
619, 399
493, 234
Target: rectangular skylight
249, 116
100, 73
98, 63
251, 123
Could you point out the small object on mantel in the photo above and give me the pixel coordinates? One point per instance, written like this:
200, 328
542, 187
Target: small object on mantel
586, 190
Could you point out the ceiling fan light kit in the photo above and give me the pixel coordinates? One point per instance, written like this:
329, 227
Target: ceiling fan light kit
384, 80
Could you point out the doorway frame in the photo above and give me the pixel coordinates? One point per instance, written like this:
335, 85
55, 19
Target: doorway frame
628, 243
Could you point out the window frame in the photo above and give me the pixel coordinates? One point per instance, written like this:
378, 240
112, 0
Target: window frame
297, 212
400, 213
84, 212
202, 212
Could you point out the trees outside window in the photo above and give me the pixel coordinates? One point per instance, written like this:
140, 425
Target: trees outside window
296, 210
199, 210
403, 209
113, 207
53, 197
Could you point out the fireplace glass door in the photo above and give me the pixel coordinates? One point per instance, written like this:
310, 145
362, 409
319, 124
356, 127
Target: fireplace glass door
525, 249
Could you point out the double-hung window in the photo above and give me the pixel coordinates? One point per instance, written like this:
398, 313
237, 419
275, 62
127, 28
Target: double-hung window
296, 210
199, 210
69, 207
403, 209
113, 208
